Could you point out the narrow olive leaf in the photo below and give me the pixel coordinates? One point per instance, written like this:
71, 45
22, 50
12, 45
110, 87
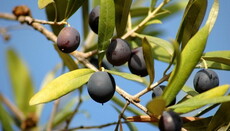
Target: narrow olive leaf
85, 17
21, 81
127, 76
122, 8
159, 42
198, 125
216, 60
221, 117
48, 78
106, 26
153, 4
62, 9
225, 61
73, 6
212, 96
213, 15
61, 86
67, 59
122, 104
156, 106
191, 54
43, 3
149, 61
193, 17
190, 91
206, 110
5, 119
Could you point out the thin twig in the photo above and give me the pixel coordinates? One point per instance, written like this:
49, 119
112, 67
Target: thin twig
54, 110
15, 110
149, 16
94, 127
147, 89
121, 115
68, 121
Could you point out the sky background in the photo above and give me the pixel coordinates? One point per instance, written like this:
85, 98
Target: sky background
40, 57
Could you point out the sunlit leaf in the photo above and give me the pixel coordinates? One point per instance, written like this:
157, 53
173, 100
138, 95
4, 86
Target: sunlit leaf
190, 91
5, 119
21, 81
85, 18
47, 79
122, 8
213, 15
211, 96
106, 26
147, 51
127, 76
44, 3
191, 54
61, 86
192, 19
221, 117
156, 106
206, 110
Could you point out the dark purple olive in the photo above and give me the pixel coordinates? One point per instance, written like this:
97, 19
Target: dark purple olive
94, 19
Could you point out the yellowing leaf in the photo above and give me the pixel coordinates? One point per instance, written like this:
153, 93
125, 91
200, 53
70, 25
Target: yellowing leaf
62, 85
156, 106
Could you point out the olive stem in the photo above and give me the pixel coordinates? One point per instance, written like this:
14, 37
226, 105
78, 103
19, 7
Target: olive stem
121, 115
142, 23
16, 111
54, 110
147, 89
205, 63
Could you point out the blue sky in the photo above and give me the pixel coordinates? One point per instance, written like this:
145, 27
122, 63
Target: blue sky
40, 57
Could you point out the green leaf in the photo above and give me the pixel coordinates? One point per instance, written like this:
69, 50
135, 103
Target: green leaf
62, 10
156, 106
192, 19
190, 91
217, 60
106, 26
61, 86
211, 96
5, 119
198, 125
162, 50
213, 15
43, 3
191, 54
147, 51
21, 81
67, 59
85, 18
206, 109
127, 76
221, 118
122, 8
47, 79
